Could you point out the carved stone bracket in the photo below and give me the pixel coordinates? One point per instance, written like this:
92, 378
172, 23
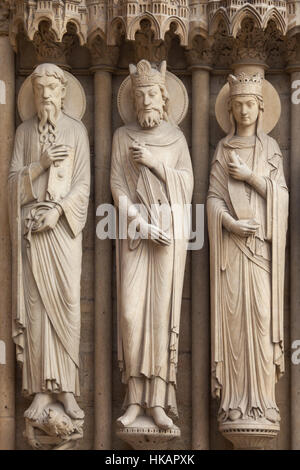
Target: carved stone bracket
53, 429
251, 435
143, 434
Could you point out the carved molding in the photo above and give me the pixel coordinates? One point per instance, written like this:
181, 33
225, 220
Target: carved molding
214, 33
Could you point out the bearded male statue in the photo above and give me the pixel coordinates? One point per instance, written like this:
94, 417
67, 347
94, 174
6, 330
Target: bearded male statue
49, 183
150, 163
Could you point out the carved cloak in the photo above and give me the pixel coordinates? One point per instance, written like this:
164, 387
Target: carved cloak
47, 265
150, 277
264, 254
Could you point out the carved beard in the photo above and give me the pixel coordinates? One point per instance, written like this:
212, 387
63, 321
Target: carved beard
47, 123
150, 119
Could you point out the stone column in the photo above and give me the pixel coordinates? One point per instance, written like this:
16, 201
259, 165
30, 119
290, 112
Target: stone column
295, 250
200, 263
7, 350
103, 263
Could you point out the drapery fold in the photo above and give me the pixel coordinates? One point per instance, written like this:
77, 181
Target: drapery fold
52, 257
247, 281
150, 277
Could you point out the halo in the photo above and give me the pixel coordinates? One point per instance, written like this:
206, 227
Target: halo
178, 104
74, 102
272, 107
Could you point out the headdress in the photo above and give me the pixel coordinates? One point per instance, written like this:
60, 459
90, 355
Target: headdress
243, 84
144, 75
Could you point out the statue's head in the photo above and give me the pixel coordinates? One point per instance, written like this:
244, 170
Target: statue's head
149, 93
246, 101
49, 89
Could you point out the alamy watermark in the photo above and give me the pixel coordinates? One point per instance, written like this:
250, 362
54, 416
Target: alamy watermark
162, 223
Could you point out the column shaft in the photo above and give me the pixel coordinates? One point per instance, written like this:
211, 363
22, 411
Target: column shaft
103, 265
295, 262
200, 264
7, 350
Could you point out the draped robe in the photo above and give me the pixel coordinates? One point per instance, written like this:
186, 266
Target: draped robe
247, 279
150, 277
47, 265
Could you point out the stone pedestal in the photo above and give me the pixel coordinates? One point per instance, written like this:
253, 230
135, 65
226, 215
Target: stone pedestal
249, 435
143, 434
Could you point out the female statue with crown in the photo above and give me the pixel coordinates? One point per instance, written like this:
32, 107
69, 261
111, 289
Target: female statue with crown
247, 221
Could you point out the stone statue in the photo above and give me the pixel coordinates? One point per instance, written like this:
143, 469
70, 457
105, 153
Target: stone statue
49, 183
247, 220
150, 163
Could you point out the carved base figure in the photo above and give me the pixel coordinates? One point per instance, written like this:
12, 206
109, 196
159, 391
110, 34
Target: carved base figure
52, 428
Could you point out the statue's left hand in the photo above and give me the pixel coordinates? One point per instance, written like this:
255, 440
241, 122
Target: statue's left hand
238, 169
142, 155
48, 220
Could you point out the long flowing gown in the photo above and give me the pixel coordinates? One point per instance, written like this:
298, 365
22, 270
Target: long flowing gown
47, 265
150, 277
247, 279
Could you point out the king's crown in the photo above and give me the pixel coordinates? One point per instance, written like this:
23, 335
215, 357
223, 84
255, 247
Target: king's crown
144, 75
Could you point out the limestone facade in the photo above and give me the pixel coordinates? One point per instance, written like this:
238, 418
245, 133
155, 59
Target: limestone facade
202, 42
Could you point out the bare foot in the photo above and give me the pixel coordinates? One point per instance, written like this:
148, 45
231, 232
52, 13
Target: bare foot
272, 415
132, 412
37, 406
160, 418
70, 404
234, 415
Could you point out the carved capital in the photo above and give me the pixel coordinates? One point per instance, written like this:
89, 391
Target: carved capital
293, 52
201, 52
250, 43
223, 47
103, 55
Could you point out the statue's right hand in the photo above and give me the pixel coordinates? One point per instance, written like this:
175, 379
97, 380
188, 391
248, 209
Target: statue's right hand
153, 233
54, 154
244, 228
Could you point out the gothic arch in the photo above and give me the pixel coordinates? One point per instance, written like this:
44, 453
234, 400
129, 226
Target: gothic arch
112, 28
97, 32
79, 33
134, 26
181, 29
219, 16
274, 15
248, 11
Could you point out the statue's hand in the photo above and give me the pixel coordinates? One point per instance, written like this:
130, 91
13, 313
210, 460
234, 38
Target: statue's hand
54, 154
48, 220
142, 155
244, 228
238, 169
150, 232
